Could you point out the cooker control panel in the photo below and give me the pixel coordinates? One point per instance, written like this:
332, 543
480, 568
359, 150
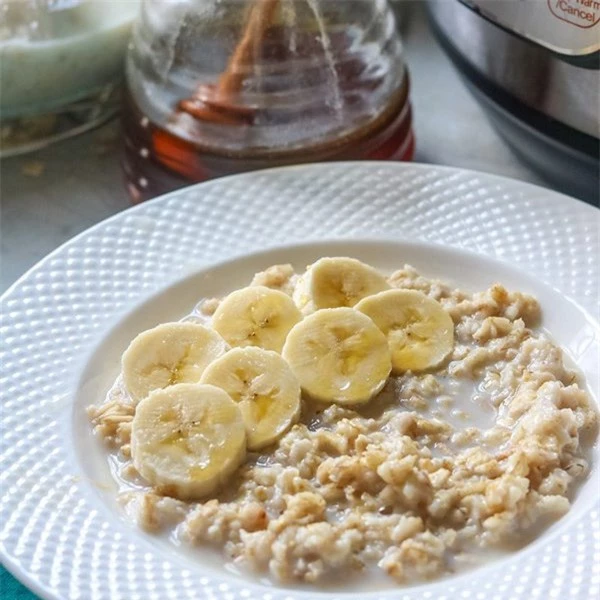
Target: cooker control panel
569, 27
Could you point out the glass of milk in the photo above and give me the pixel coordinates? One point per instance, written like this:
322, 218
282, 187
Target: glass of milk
57, 56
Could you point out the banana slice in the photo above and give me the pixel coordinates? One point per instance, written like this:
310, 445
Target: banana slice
256, 316
338, 355
419, 331
336, 282
264, 387
168, 354
187, 439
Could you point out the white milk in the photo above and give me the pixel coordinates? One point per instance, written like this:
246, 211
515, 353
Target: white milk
60, 54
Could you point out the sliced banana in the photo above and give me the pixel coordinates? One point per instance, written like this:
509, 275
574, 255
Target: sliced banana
264, 387
256, 316
168, 354
187, 439
338, 355
336, 282
419, 331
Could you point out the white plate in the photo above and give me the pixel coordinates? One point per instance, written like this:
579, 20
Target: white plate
60, 532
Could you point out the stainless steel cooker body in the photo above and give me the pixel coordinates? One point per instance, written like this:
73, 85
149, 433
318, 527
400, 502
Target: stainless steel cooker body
536, 67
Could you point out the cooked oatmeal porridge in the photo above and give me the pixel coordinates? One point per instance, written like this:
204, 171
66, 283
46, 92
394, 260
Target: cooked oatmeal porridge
463, 431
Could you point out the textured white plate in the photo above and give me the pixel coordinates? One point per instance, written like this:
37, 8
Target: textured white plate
60, 533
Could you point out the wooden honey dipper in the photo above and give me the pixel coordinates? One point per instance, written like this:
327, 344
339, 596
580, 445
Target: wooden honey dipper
214, 103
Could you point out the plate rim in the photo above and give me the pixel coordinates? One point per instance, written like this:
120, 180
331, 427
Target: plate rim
555, 195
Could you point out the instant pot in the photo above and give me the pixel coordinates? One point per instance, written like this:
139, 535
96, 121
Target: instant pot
534, 65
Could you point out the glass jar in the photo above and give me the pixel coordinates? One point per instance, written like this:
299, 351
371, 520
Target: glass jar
222, 86
58, 57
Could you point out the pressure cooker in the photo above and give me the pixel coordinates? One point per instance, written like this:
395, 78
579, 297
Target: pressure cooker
534, 65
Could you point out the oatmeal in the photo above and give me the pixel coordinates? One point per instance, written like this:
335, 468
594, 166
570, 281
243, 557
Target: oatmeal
407, 480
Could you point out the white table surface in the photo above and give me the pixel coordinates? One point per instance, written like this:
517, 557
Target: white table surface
82, 183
